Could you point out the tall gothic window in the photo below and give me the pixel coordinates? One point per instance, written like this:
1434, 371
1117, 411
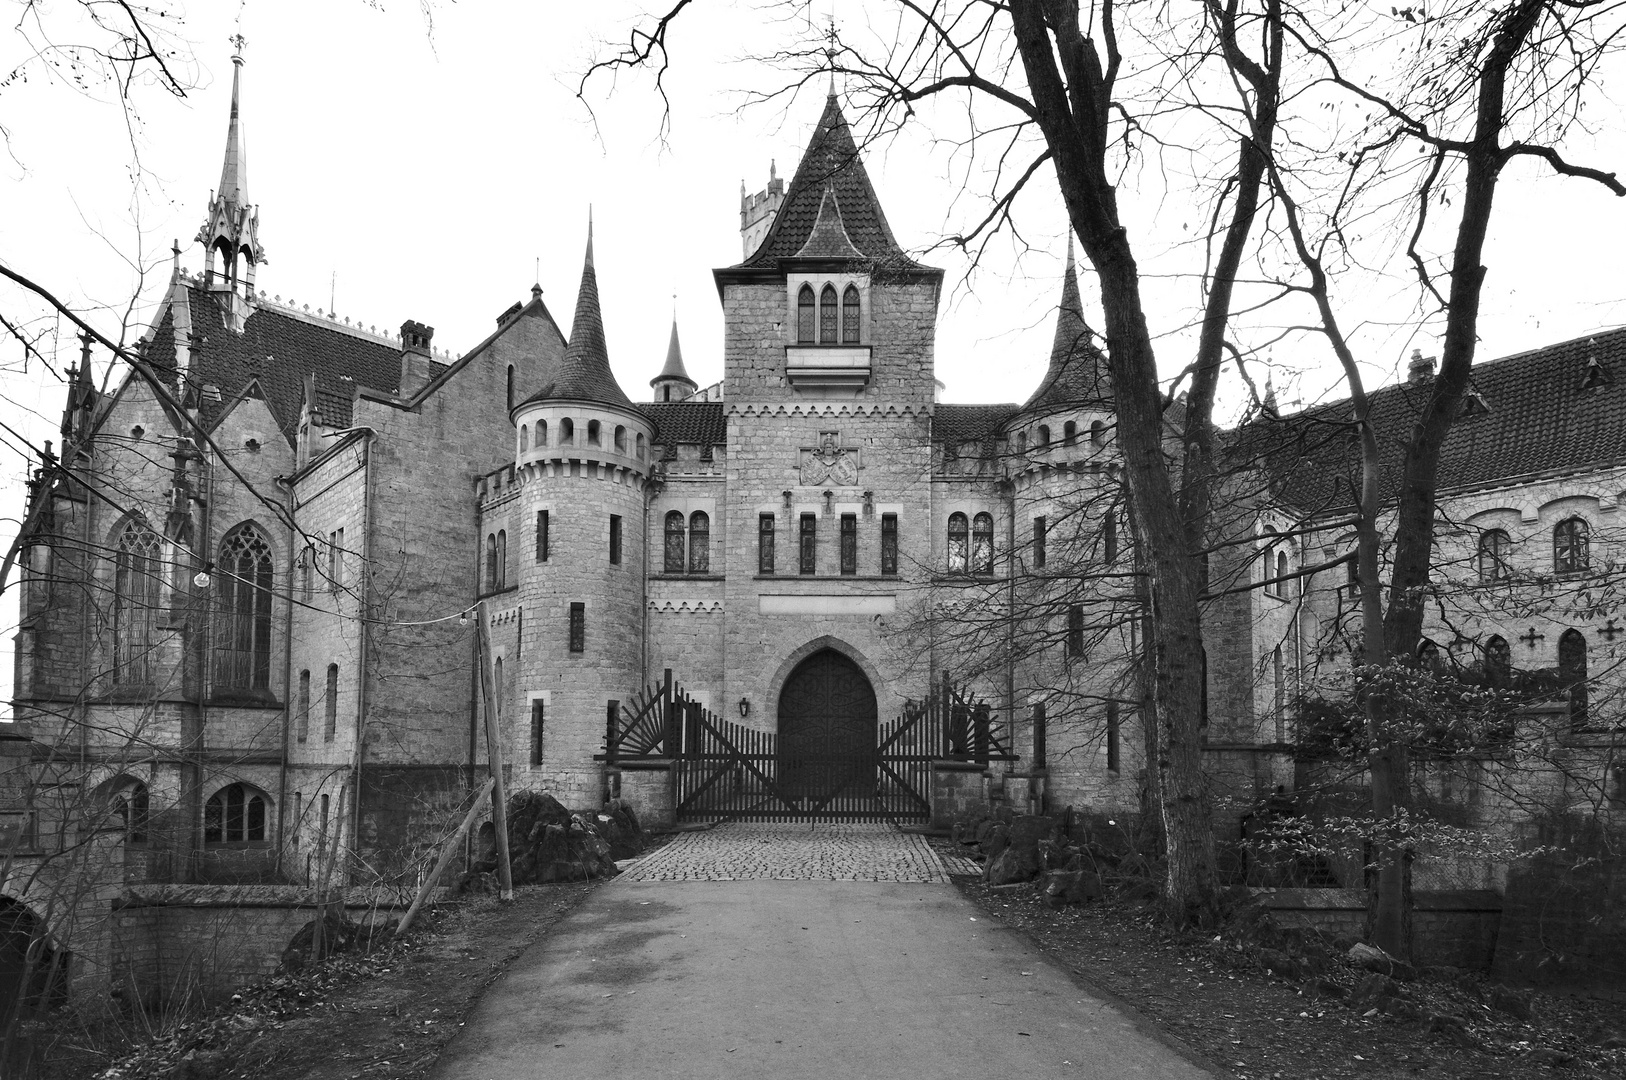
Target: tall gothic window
699, 543
491, 562
1572, 674
849, 316
765, 532
243, 633
805, 314
131, 805
1571, 540
1109, 536
958, 530
849, 543
137, 578
330, 704
502, 558
304, 713
674, 542
234, 815
807, 541
1493, 551
889, 543
982, 544
827, 316
1282, 588
1038, 542
1498, 661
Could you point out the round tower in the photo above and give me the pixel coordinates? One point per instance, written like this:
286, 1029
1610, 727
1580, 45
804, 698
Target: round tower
583, 462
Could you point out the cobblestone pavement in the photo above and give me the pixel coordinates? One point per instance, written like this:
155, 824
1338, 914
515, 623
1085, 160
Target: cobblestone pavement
821, 851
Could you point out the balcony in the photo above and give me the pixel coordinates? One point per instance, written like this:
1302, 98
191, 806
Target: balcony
843, 366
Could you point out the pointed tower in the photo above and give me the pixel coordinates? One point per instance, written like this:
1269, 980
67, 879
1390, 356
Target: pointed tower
584, 467
231, 233
673, 383
1077, 376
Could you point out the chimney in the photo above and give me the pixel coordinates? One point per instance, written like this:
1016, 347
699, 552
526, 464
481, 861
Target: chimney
415, 370
1421, 368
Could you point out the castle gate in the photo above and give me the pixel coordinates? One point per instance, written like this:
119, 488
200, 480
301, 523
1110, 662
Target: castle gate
827, 748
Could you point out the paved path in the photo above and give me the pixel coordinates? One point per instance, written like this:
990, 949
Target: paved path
813, 956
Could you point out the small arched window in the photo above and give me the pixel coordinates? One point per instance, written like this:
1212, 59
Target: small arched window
510, 386
1044, 435
524, 438
234, 815
674, 542
982, 544
1281, 574
640, 442
699, 543
1498, 661
1069, 433
804, 316
1429, 656
621, 438
541, 434
567, 432
1571, 543
959, 529
827, 316
593, 433
491, 562
502, 558
1494, 546
330, 704
130, 804
243, 629
850, 316
1021, 442
1098, 433
138, 577
1572, 674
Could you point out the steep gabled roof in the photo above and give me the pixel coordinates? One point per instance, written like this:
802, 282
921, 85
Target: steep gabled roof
830, 164
1077, 375
584, 373
1541, 418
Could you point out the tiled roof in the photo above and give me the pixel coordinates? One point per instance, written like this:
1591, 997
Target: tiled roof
1541, 418
584, 373
278, 349
829, 239
700, 423
956, 424
1077, 374
674, 360
831, 163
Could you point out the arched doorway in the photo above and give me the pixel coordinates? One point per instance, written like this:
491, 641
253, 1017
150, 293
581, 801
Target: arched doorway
33, 975
827, 731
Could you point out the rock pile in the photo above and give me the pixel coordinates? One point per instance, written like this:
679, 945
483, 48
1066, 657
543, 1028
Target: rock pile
1016, 848
547, 842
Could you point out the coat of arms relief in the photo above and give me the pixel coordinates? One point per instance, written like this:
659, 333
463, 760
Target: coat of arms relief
829, 462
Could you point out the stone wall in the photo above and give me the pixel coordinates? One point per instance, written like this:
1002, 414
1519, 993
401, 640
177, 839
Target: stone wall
1456, 928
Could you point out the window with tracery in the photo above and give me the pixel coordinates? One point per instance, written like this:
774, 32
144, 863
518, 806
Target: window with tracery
959, 529
850, 308
243, 629
234, 815
674, 542
982, 544
699, 543
805, 315
827, 315
1494, 546
137, 593
1571, 544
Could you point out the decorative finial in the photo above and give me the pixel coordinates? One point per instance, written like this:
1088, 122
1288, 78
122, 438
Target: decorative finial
237, 42
830, 52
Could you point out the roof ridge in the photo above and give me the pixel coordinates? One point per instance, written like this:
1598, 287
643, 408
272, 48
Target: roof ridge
326, 320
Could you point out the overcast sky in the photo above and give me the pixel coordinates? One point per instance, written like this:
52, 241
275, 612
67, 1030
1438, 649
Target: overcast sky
405, 170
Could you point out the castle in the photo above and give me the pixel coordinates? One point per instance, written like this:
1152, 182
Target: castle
249, 609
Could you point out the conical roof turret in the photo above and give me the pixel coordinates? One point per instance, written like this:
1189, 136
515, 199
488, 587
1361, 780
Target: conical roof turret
674, 368
584, 373
1077, 375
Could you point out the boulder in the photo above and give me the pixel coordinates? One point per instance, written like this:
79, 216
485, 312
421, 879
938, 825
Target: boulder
998, 839
1063, 887
1032, 828
1375, 960
1280, 963
1324, 987
1511, 1002
1372, 991
1012, 865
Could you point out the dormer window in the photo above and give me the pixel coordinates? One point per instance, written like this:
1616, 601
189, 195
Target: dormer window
804, 316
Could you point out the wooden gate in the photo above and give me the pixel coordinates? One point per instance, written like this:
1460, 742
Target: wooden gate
726, 771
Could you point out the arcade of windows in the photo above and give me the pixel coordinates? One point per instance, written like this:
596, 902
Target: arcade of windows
823, 318
971, 544
807, 541
1572, 551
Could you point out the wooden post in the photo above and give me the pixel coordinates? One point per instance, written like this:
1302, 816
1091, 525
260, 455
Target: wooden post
669, 714
499, 797
448, 850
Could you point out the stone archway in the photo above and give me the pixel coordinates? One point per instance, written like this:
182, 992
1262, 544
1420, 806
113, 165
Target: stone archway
827, 730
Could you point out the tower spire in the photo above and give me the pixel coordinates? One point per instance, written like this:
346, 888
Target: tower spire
1077, 374
231, 232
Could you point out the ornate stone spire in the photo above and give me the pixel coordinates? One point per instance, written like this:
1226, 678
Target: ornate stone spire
231, 233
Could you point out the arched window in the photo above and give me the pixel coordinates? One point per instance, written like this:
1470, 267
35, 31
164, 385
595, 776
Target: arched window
1281, 574
804, 316
496, 678
1044, 435
1098, 433
1493, 549
699, 543
1428, 655
1069, 433
243, 630
827, 316
130, 805
674, 542
491, 562
234, 815
593, 433
1571, 539
541, 434
640, 446
303, 716
1021, 442
330, 704
502, 558
1572, 674
621, 438
138, 576
958, 538
567, 432
1498, 661
510, 386
849, 316
982, 544
524, 438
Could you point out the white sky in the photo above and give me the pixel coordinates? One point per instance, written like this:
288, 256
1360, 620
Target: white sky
418, 175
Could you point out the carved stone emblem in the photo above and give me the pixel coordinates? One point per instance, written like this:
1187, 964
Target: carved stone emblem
829, 463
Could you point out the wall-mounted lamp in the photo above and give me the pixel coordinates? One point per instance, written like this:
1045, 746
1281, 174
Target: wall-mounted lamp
745, 708
786, 496
829, 501
869, 504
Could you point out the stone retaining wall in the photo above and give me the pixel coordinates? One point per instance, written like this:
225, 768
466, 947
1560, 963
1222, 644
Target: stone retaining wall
1456, 928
